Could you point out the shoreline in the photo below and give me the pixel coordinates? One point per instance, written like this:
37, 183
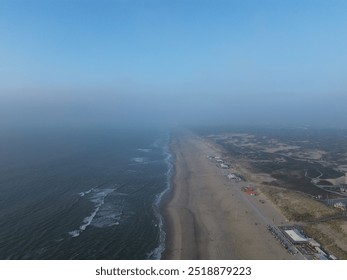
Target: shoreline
160, 201
172, 217
206, 216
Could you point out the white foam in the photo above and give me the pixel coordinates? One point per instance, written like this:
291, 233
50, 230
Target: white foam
158, 251
74, 233
98, 198
109, 215
86, 192
138, 159
144, 150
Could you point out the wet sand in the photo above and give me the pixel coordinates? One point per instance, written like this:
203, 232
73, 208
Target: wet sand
209, 217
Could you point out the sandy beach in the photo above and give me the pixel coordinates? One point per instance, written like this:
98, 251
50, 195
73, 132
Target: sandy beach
209, 217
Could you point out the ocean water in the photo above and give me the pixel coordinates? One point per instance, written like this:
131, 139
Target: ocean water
83, 194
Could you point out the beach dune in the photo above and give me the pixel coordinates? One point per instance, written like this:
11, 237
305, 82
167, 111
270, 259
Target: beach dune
208, 216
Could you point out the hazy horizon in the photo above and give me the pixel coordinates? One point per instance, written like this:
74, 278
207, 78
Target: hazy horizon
173, 63
172, 130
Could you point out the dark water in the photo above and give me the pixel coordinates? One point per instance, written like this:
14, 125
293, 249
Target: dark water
82, 194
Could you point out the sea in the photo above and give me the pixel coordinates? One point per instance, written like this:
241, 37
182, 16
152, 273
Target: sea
91, 193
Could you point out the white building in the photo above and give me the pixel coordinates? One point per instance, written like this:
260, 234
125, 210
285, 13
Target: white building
340, 205
295, 235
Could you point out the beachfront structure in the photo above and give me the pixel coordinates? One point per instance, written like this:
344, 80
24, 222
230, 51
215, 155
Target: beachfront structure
249, 190
306, 245
321, 252
224, 166
314, 243
295, 236
233, 177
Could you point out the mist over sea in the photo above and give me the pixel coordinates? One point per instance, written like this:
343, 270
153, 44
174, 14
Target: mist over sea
83, 193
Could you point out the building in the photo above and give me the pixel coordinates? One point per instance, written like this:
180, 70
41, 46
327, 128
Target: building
224, 166
295, 236
314, 243
340, 205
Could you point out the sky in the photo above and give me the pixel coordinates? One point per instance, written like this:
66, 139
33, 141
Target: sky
185, 62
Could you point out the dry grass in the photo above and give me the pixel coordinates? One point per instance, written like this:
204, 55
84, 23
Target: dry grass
300, 208
297, 207
326, 240
339, 227
343, 226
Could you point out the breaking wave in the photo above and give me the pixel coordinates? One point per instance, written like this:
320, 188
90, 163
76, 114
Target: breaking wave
158, 251
104, 214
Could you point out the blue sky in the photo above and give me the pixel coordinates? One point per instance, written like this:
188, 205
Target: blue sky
214, 51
